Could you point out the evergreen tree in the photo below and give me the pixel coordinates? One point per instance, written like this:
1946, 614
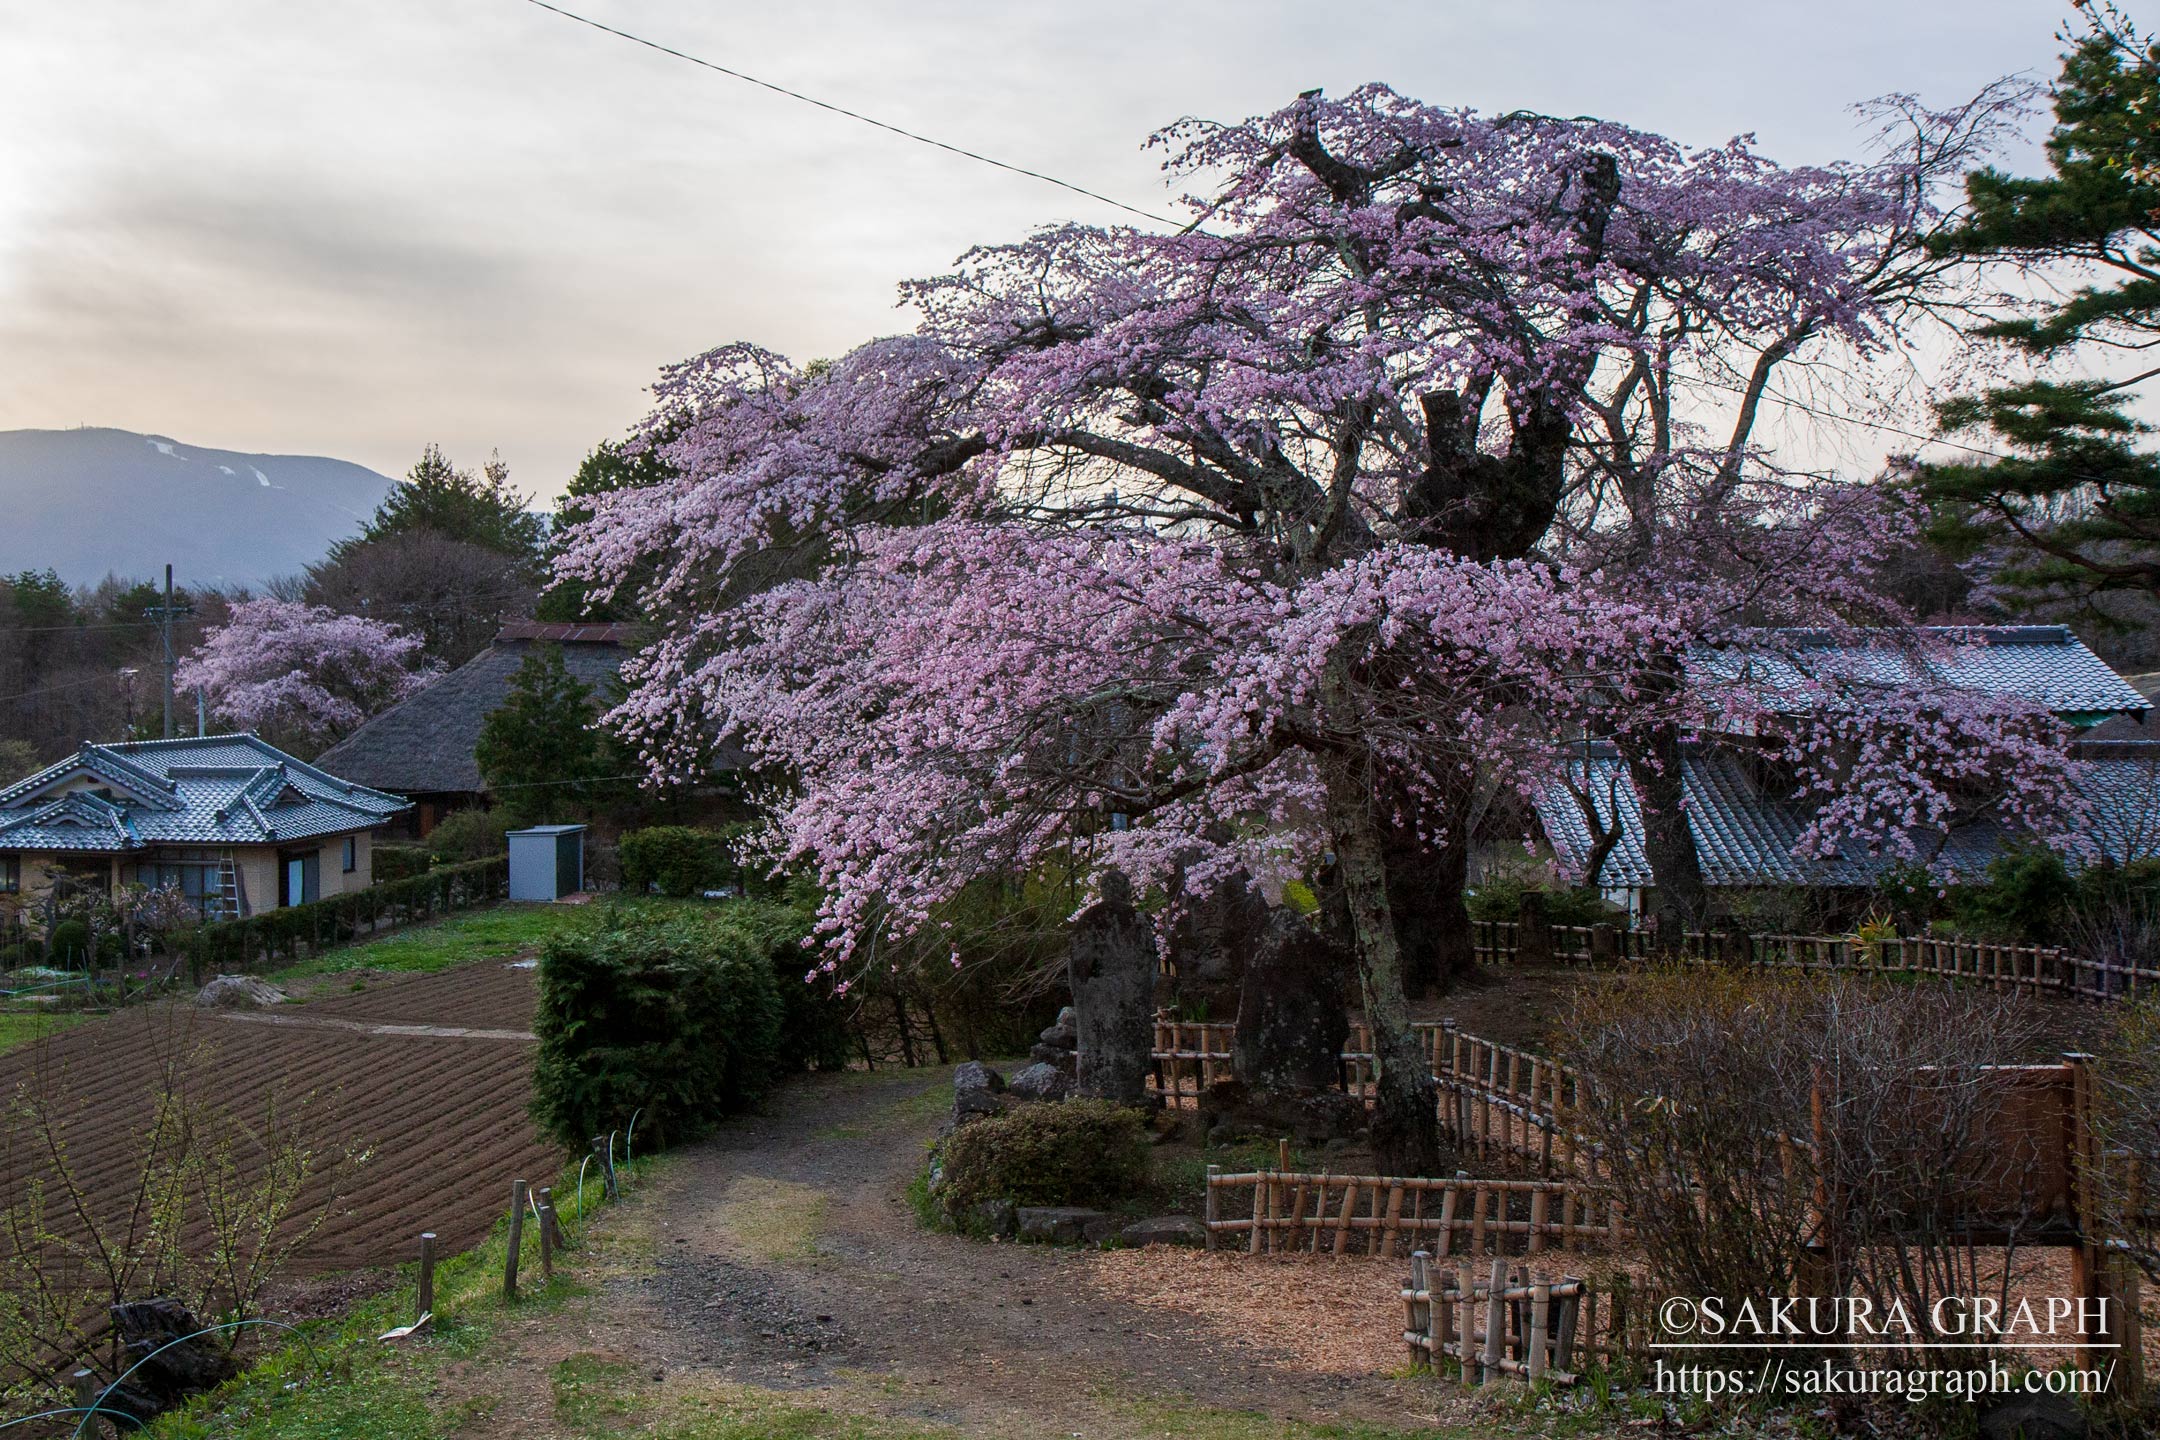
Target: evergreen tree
439, 498
541, 751
2076, 500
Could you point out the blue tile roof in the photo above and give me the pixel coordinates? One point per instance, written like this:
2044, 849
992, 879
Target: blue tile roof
2044, 663
203, 790
1746, 837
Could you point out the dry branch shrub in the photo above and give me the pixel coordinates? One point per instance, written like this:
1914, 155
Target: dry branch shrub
1695, 1080
1707, 1093
2128, 1121
214, 1197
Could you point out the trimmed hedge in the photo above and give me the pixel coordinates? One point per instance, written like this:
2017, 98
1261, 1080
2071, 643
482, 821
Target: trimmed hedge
676, 1021
680, 860
1081, 1152
282, 936
400, 862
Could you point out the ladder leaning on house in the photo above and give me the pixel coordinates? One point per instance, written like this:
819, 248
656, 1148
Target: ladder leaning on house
232, 897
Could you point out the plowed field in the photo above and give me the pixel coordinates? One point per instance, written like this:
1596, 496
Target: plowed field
438, 1115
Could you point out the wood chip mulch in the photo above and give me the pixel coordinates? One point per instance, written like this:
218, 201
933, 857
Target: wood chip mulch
1314, 1314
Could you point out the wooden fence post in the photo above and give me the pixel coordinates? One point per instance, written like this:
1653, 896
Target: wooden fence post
1213, 1208
1419, 1319
1540, 1319
1495, 1323
518, 1192
85, 1385
547, 1244
604, 1161
425, 1304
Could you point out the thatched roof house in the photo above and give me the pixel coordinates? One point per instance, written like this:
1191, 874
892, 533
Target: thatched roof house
423, 746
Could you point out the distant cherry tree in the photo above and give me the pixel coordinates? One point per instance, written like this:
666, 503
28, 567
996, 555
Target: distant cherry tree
301, 673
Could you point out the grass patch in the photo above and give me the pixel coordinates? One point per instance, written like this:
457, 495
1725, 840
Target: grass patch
1172, 1418
497, 932
592, 1393
440, 944
24, 1027
774, 1219
746, 1412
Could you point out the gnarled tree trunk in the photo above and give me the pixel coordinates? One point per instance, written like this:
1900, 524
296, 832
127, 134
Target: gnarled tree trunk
1654, 761
1405, 1132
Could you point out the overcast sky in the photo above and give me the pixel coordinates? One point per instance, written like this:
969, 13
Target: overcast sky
351, 229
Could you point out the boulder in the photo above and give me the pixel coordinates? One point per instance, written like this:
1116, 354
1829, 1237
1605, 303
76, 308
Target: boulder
1039, 1082
170, 1362
238, 992
1062, 1224
1112, 969
1231, 1111
974, 1075
1165, 1230
2034, 1417
977, 1090
1059, 1043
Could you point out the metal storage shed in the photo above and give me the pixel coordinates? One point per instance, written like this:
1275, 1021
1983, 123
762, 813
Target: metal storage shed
547, 862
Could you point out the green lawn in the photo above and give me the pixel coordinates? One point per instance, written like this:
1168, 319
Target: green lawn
455, 940
19, 1027
488, 934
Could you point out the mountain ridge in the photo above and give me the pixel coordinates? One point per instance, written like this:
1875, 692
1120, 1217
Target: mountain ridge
97, 500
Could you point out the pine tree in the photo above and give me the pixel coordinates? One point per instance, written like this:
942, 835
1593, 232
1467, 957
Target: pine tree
2076, 500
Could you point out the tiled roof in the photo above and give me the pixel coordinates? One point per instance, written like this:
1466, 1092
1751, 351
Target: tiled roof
2045, 663
570, 632
1745, 837
205, 790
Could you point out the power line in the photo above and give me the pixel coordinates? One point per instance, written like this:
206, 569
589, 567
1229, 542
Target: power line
857, 115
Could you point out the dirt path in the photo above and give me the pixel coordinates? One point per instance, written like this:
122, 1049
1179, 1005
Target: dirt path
782, 1255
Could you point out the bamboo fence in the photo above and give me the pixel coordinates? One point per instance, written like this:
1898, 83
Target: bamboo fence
1291, 1212
1512, 1324
2036, 969
1495, 1101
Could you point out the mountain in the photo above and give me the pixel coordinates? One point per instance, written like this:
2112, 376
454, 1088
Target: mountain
93, 502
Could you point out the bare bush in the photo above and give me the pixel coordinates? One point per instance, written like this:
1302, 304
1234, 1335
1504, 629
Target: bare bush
210, 1205
2127, 1119
1778, 1136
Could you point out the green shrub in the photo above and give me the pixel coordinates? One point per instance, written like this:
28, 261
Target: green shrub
814, 1032
468, 835
1499, 897
674, 1020
679, 860
71, 945
2024, 899
1082, 1152
400, 862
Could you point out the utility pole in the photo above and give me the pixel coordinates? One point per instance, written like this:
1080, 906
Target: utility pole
164, 614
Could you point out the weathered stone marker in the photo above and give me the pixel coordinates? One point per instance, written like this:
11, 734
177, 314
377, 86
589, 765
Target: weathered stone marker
1291, 1018
1112, 971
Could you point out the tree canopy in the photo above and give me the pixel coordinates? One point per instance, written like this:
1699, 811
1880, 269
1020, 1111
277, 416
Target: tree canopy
2073, 498
1258, 548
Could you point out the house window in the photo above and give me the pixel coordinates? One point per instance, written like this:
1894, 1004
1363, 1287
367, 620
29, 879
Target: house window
352, 854
198, 880
10, 874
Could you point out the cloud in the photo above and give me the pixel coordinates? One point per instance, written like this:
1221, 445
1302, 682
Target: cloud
353, 230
